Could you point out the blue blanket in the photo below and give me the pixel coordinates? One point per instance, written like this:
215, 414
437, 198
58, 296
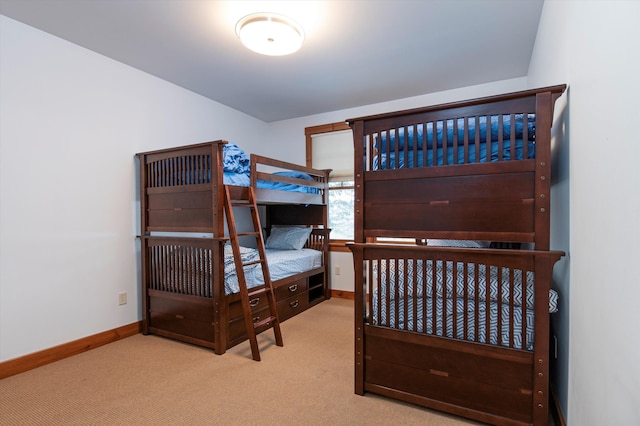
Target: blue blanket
386, 161
235, 160
282, 186
237, 166
398, 137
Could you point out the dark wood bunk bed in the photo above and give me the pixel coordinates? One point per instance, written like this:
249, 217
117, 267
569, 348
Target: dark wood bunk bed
183, 241
477, 346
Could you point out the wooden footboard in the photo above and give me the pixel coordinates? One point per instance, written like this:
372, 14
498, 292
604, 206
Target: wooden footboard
424, 333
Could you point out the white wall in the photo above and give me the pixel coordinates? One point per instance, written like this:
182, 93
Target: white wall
70, 123
594, 48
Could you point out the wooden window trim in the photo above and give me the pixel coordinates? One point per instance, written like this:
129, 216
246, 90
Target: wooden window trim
339, 245
316, 130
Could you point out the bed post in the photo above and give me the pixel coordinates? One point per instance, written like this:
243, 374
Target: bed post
142, 164
542, 190
220, 322
325, 200
544, 263
358, 262
358, 136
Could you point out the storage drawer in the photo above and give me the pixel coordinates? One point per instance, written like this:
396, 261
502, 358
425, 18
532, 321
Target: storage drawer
180, 325
292, 306
289, 290
237, 328
181, 306
257, 303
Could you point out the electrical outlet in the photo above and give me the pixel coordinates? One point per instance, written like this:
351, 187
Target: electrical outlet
337, 270
122, 298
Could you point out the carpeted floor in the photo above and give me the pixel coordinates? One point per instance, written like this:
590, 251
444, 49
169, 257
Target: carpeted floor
144, 380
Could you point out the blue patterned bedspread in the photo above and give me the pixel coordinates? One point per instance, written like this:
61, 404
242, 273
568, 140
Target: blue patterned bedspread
461, 305
282, 263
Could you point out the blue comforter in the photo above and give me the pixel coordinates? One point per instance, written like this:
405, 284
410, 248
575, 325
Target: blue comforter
420, 158
237, 166
452, 126
432, 143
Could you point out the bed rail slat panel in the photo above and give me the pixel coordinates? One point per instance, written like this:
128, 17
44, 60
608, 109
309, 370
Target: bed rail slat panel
180, 265
465, 294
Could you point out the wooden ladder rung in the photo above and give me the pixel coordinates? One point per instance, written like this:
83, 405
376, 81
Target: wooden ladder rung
263, 322
253, 262
258, 292
244, 234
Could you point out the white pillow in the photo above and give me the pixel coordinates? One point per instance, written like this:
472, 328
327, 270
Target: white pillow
458, 243
288, 238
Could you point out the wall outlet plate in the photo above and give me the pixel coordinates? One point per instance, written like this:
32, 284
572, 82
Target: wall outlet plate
122, 298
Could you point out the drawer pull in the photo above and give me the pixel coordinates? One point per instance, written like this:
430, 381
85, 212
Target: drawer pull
256, 319
293, 287
294, 304
439, 373
179, 316
254, 302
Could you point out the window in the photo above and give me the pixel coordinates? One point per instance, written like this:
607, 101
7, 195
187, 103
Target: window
331, 147
341, 220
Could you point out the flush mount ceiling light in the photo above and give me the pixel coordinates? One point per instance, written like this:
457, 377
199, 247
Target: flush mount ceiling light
270, 34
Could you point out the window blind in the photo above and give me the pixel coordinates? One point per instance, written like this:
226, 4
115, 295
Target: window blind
334, 150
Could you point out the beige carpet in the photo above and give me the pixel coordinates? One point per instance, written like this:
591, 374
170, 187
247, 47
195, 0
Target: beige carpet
144, 380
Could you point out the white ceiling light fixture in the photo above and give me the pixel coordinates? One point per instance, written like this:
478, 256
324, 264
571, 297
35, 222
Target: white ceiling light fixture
270, 34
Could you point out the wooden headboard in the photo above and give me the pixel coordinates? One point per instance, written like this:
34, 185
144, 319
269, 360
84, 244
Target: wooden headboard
403, 189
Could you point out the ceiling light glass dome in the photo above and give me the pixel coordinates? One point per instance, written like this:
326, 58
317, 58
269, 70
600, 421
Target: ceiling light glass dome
270, 34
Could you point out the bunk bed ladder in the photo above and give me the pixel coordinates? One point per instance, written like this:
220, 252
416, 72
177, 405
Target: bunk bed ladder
249, 297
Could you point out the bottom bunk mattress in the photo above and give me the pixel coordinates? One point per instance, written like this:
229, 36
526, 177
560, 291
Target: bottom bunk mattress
282, 264
479, 303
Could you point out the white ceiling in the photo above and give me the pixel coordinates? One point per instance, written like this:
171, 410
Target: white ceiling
356, 52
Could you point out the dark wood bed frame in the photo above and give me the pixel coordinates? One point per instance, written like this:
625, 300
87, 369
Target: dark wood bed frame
183, 295
501, 201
